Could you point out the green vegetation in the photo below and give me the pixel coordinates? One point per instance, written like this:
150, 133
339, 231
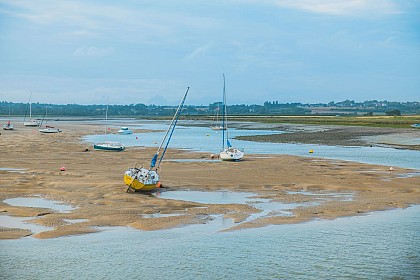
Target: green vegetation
368, 113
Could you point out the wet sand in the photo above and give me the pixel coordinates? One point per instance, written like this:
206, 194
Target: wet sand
93, 184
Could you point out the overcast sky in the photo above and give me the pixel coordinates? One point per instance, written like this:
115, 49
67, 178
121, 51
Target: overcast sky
149, 51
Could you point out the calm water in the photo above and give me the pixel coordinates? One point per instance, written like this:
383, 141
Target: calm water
207, 140
39, 202
381, 245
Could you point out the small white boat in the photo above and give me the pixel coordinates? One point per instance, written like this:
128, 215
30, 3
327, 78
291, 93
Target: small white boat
108, 145
30, 122
229, 153
47, 129
217, 125
124, 130
8, 126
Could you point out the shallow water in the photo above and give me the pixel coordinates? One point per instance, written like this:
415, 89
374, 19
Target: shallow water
207, 140
38, 202
267, 207
22, 223
381, 245
216, 197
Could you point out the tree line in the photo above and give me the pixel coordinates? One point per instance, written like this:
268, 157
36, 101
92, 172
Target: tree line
268, 108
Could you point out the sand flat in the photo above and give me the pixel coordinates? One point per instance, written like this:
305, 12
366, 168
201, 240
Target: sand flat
92, 183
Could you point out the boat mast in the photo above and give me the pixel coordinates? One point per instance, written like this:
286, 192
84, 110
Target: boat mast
170, 129
224, 119
30, 108
106, 118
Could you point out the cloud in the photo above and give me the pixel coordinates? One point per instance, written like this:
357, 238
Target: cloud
341, 7
93, 52
198, 51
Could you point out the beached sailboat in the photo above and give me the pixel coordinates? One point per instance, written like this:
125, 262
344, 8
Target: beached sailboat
228, 153
217, 123
146, 179
30, 122
8, 125
108, 145
47, 128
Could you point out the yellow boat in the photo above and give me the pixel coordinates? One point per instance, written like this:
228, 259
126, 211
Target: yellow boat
141, 179
147, 179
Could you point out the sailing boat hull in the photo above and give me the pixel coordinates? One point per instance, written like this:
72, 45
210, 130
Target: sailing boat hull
31, 123
109, 147
217, 128
50, 130
8, 127
141, 179
231, 154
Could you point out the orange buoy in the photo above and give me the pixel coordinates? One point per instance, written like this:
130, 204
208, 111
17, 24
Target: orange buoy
158, 184
63, 168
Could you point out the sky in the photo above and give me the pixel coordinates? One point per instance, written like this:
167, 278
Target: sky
309, 51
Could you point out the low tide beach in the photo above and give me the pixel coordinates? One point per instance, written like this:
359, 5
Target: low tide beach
92, 185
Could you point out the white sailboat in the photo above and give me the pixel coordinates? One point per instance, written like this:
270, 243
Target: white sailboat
108, 145
147, 179
217, 125
47, 129
228, 153
30, 122
8, 125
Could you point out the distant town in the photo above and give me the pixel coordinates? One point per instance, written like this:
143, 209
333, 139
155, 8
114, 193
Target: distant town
343, 108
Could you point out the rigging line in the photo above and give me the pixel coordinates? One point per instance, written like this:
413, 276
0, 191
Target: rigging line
106, 118
224, 119
173, 119
173, 124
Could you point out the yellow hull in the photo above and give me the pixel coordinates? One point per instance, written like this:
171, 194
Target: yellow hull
139, 186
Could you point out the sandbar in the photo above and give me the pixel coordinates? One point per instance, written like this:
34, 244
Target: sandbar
93, 184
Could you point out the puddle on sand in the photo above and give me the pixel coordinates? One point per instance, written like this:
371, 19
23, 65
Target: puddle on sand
35, 202
267, 206
18, 170
38, 202
217, 197
409, 175
75, 221
22, 223
160, 215
324, 196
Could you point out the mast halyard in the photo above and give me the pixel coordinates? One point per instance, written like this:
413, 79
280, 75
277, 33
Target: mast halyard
224, 119
106, 118
171, 129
